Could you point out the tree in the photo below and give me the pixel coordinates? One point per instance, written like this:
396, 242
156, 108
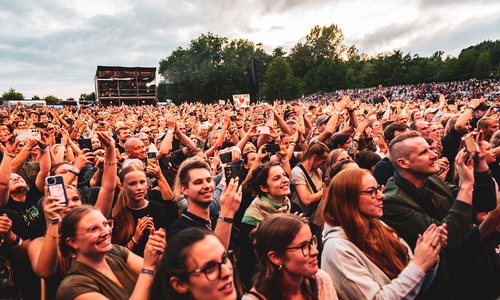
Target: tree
12, 95
35, 97
51, 100
279, 82
278, 52
210, 68
326, 42
483, 66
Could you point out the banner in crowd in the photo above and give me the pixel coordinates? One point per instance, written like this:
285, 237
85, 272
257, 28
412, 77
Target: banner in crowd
241, 100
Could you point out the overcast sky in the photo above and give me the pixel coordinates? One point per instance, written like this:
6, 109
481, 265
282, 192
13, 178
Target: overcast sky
54, 46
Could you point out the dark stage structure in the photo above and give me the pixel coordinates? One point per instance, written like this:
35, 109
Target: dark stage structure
125, 85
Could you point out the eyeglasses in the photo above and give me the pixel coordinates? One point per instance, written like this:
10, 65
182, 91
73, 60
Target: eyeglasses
372, 192
306, 246
96, 231
212, 270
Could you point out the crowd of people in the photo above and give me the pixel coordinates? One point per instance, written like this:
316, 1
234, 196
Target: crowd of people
380, 193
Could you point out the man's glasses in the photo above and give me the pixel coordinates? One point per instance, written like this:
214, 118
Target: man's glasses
212, 270
96, 231
306, 246
373, 192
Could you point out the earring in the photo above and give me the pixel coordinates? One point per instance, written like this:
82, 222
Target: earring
123, 193
280, 267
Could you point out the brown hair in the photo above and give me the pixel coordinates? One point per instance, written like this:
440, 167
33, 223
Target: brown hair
182, 178
378, 242
70, 224
275, 233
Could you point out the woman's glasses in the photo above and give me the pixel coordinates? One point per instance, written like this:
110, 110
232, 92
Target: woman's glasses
212, 270
306, 246
96, 231
373, 192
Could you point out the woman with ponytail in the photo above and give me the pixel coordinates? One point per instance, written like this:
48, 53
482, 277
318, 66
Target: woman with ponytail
133, 215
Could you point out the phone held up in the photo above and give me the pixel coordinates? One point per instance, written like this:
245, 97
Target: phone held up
27, 134
152, 158
55, 185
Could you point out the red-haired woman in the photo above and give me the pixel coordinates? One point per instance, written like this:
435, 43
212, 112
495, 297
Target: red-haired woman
365, 258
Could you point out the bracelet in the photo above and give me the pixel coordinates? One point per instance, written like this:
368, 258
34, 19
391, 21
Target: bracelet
148, 272
225, 219
74, 170
293, 144
110, 163
16, 243
335, 112
133, 241
471, 108
239, 127
284, 161
55, 221
42, 147
5, 153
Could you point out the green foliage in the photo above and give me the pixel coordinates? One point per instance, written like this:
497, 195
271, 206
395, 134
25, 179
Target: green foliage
279, 82
12, 95
88, 97
35, 97
51, 100
212, 68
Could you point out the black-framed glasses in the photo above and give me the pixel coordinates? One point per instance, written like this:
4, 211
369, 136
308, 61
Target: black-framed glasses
96, 231
373, 192
305, 247
212, 270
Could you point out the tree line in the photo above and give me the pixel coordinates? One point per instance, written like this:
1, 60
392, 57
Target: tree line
212, 67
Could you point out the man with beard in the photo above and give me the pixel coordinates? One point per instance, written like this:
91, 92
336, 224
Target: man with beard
122, 135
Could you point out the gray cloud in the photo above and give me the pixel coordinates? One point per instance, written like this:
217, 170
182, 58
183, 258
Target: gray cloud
53, 48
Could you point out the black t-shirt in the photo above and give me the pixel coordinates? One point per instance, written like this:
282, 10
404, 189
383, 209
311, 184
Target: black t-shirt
21, 276
483, 265
29, 212
170, 165
170, 207
153, 210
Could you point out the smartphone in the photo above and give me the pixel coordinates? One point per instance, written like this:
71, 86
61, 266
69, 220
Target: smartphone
470, 144
151, 158
85, 144
27, 134
55, 185
40, 124
226, 157
232, 171
272, 148
263, 130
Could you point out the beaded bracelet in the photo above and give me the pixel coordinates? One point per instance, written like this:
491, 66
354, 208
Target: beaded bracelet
110, 163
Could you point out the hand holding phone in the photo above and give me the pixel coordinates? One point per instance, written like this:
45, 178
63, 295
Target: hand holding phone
55, 185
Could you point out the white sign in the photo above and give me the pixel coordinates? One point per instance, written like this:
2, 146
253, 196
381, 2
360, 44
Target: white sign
241, 100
